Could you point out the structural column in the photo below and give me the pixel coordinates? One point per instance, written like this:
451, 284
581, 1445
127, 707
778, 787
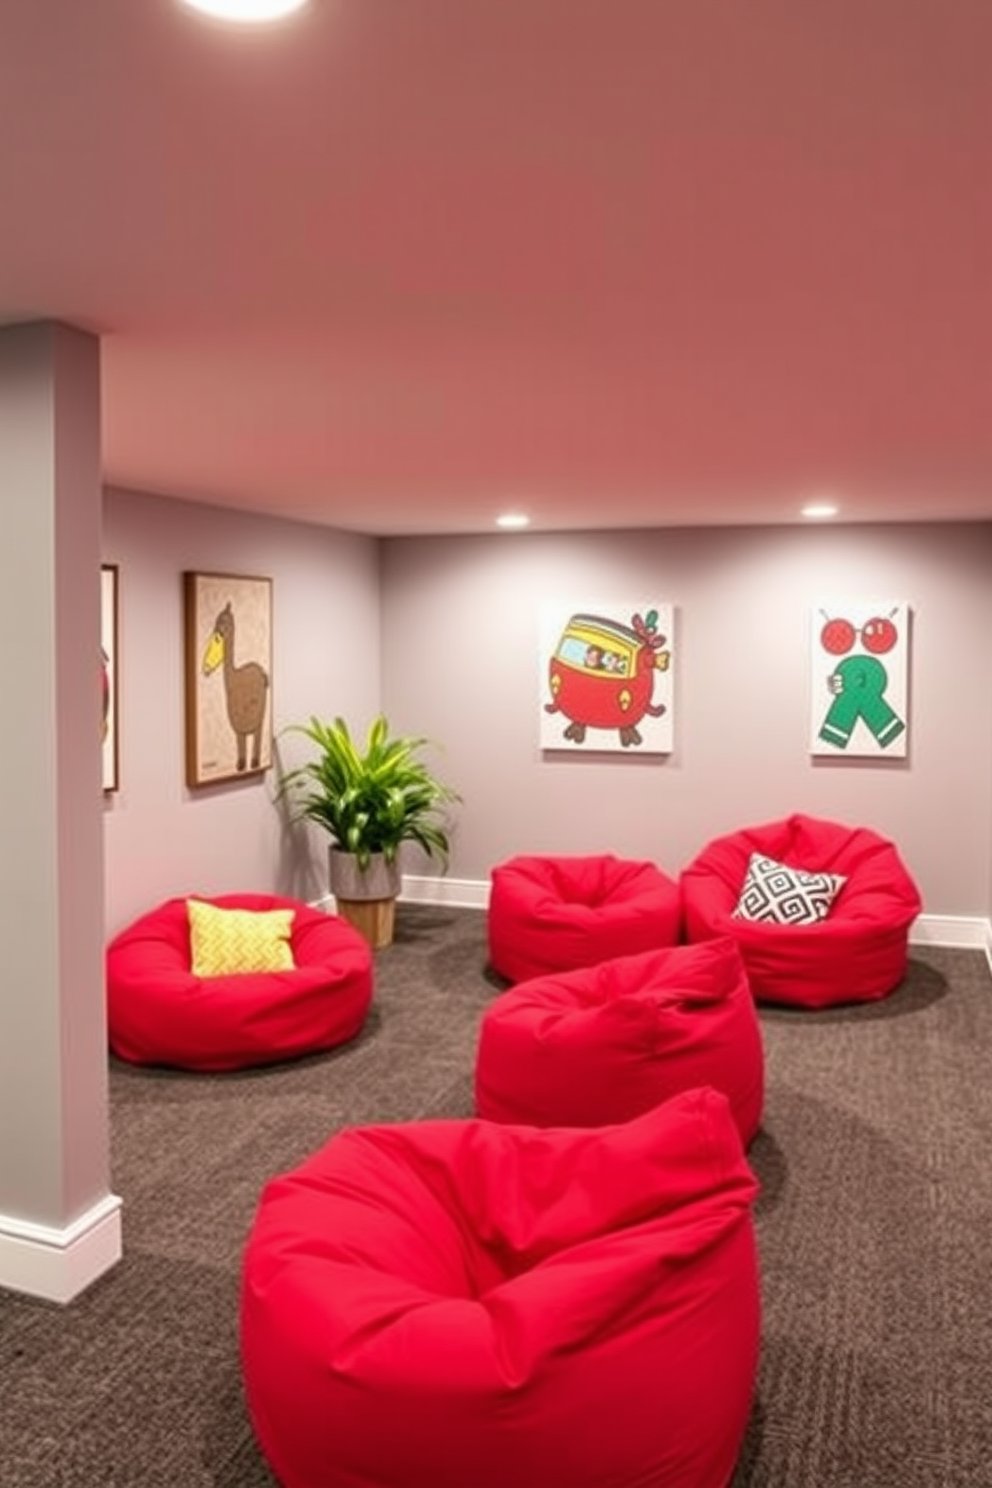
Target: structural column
59, 1222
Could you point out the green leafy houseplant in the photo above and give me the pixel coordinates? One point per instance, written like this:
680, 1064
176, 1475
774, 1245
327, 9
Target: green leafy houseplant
370, 800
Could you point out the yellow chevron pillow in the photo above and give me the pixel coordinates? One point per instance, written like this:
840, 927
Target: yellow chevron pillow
224, 942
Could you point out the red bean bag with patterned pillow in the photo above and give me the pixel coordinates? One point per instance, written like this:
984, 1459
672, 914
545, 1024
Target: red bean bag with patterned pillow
458, 1304
550, 914
159, 1012
856, 952
607, 1042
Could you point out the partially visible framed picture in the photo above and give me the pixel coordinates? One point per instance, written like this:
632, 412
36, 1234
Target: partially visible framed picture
228, 649
108, 665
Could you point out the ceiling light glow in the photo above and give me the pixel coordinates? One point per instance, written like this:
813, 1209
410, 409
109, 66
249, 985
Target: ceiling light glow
819, 511
251, 11
511, 520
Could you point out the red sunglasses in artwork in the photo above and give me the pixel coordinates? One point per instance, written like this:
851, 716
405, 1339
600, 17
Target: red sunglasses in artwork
878, 635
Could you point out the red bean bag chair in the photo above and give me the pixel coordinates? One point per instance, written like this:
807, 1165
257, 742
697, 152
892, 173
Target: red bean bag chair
159, 1012
607, 1042
550, 914
855, 950
458, 1304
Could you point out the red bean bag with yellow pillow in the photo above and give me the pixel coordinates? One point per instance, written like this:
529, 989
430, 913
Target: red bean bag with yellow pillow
458, 1304
549, 914
857, 953
607, 1042
159, 1012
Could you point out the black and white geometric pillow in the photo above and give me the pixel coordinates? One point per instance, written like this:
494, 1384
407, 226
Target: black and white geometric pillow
786, 896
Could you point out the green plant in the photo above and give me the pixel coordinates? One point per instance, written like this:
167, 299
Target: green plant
370, 800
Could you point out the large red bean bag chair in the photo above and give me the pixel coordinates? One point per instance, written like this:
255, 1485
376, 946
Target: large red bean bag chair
459, 1304
607, 1042
821, 911
160, 1012
550, 914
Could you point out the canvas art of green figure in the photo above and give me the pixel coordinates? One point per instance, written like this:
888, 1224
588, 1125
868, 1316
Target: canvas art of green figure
859, 682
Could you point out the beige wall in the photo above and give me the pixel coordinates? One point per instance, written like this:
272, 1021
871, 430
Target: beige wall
460, 633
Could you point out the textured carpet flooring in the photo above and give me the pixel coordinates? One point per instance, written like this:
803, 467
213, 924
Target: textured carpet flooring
874, 1224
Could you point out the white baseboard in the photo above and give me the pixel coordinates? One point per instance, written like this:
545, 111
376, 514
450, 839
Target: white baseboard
59, 1264
957, 932
962, 932
460, 893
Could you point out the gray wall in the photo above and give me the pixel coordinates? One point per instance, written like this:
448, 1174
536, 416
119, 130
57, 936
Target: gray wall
444, 634
161, 838
460, 620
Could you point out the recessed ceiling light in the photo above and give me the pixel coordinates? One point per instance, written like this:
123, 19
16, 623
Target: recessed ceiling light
819, 511
513, 519
251, 11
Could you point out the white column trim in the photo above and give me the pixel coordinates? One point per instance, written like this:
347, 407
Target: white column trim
58, 1264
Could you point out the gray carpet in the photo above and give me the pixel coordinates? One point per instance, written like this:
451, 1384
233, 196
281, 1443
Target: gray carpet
874, 1224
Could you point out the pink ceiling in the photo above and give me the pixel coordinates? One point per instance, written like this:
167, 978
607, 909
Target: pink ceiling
401, 264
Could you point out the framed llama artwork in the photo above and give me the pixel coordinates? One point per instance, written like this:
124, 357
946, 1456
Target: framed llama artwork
109, 725
606, 677
859, 671
228, 655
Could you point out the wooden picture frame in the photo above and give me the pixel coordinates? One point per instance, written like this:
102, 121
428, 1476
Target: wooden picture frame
228, 676
109, 660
